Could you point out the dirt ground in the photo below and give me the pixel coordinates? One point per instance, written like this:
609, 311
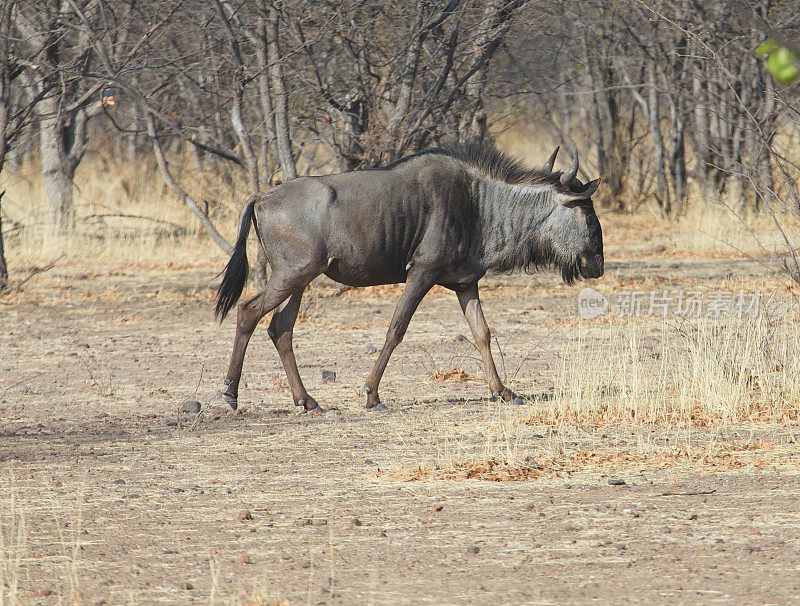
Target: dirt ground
110, 495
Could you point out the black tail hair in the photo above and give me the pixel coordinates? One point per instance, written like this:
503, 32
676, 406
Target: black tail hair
232, 285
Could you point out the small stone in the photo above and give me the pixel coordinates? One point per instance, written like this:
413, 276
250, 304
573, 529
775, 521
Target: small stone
188, 585
616, 482
244, 515
305, 522
438, 508
369, 462
118, 481
370, 349
357, 522
227, 490
191, 405
328, 376
243, 559
474, 549
321, 522
692, 516
26, 389
172, 423
518, 401
383, 534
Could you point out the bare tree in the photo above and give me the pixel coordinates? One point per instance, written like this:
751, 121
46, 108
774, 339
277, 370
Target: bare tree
55, 53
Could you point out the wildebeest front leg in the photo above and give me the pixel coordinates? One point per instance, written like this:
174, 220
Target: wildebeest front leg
280, 331
471, 306
415, 290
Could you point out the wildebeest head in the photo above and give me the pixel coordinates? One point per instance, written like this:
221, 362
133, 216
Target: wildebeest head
572, 228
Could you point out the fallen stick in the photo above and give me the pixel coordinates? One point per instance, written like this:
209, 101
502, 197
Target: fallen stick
692, 493
35, 271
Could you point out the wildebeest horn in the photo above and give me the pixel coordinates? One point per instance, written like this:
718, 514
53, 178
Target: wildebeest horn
568, 177
548, 166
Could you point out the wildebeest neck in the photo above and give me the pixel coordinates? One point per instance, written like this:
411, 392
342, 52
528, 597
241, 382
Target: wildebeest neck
512, 220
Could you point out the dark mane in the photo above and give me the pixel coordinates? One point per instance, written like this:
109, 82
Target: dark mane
488, 159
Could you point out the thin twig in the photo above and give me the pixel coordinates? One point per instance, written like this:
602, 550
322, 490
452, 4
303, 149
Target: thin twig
12, 386
35, 271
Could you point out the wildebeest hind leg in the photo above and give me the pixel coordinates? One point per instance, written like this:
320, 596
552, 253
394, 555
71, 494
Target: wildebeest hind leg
280, 331
416, 288
275, 292
471, 306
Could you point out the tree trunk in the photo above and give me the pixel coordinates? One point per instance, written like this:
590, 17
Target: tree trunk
651, 111
3, 266
283, 142
56, 170
678, 165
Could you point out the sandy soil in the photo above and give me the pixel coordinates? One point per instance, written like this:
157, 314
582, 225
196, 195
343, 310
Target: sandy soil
110, 495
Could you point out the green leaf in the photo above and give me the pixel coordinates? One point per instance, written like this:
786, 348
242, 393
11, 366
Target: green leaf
765, 48
782, 64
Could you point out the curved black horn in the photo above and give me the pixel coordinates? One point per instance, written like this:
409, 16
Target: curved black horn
548, 166
568, 177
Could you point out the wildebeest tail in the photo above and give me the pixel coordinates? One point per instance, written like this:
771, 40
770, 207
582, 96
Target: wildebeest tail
232, 285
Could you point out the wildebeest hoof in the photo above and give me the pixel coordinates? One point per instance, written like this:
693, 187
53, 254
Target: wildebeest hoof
378, 407
231, 400
309, 404
317, 410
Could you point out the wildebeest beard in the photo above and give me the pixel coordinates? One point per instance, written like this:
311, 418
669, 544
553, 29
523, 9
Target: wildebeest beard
534, 255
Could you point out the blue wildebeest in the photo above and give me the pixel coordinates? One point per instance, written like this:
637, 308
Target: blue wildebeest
443, 216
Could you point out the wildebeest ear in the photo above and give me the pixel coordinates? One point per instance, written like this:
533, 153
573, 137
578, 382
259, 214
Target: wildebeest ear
584, 193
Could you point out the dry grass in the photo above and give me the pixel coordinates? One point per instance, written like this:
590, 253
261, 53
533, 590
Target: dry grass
716, 228
125, 215
704, 371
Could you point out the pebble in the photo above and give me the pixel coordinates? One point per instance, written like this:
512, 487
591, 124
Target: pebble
616, 482
357, 522
191, 405
328, 376
474, 549
245, 514
370, 349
